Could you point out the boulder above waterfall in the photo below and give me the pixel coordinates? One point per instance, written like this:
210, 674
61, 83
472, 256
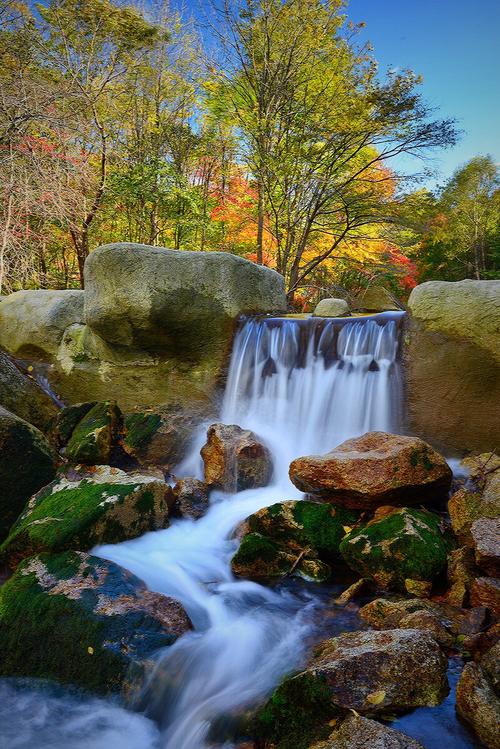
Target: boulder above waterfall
373, 470
235, 459
331, 307
183, 303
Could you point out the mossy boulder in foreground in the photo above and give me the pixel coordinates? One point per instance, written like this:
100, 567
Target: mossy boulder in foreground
81, 509
403, 549
82, 620
94, 437
27, 463
295, 537
369, 672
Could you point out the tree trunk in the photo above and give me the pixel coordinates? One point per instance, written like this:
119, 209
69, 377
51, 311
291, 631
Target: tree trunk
260, 222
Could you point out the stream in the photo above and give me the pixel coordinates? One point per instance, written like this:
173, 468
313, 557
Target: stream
303, 386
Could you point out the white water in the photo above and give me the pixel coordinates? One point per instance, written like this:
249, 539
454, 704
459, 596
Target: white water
303, 386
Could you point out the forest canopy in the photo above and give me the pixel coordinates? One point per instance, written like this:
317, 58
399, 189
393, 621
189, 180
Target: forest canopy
266, 129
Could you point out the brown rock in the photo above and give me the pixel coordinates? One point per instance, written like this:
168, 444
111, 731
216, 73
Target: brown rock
235, 459
461, 573
490, 664
429, 622
191, 498
376, 299
356, 732
485, 591
486, 539
377, 672
479, 498
374, 470
478, 705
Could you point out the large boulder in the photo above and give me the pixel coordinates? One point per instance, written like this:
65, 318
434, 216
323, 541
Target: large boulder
82, 620
403, 549
373, 470
357, 732
453, 363
478, 705
478, 498
235, 459
367, 672
331, 308
32, 323
24, 397
82, 509
297, 537
376, 299
27, 462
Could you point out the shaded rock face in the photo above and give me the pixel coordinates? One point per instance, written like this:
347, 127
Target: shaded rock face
373, 470
357, 732
398, 548
32, 323
453, 363
234, 459
479, 705
461, 573
486, 539
191, 498
182, 302
94, 436
82, 509
370, 672
376, 299
297, 537
66, 421
82, 620
485, 591
23, 397
479, 498
331, 308
27, 462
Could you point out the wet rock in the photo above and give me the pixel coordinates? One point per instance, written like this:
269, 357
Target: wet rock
67, 419
479, 498
357, 732
486, 539
234, 459
191, 498
32, 323
373, 470
82, 509
478, 705
82, 620
23, 397
461, 573
376, 299
27, 463
95, 435
397, 547
370, 672
331, 308
490, 664
296, 537
160, 436
485, 591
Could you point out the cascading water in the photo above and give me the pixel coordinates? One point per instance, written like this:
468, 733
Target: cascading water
303, 386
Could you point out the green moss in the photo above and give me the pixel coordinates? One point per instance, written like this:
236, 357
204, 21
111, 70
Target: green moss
323, 526
260, 555
146, 502
408, 544
93, 437
68, 418
140, 428
297, 714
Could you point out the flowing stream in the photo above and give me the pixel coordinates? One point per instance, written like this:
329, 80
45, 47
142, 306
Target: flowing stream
304, 386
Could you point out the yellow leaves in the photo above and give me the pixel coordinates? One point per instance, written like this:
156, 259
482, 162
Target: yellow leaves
376, 698
90, 650
347, 529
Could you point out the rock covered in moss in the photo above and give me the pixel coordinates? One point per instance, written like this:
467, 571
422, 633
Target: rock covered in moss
21, 395
296, 537
94, 437
81, 509
191, 498
370, 672
27, 463
373, 470
398, 547
67, 419
82, 620
478, 705
485, 534
235, 459
358, 732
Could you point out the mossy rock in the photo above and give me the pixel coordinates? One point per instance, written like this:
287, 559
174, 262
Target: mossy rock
27, 463
398, 548
297, 714
82, 620
296, 537
80, 510
67, 420
95, 435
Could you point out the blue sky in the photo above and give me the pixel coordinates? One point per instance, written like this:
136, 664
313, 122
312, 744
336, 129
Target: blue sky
455, 46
